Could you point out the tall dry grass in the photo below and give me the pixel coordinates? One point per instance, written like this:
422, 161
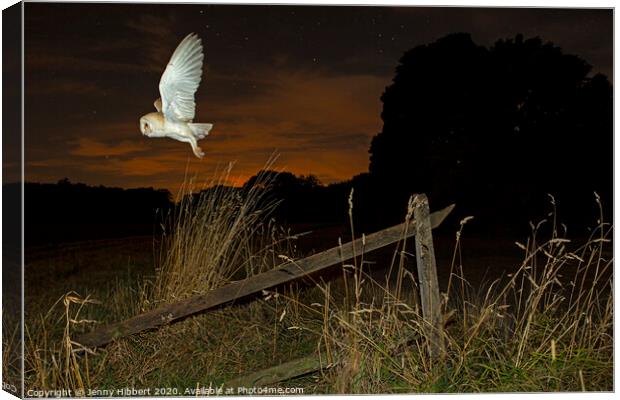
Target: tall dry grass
55, 361
11, 352
548, 326
545, 327
210, 237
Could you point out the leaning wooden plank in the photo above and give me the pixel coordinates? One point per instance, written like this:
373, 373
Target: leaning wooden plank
288, 272
279, 373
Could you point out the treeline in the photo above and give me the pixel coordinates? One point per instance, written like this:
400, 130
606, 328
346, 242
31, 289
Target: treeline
68, 211
377, 203
305, 200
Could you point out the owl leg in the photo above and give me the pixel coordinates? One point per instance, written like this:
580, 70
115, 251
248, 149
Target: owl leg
197, 150
192, 142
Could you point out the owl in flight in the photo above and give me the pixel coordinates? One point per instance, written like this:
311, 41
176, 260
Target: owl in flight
176, 107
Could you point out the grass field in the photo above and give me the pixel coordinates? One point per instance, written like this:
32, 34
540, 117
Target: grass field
544, 325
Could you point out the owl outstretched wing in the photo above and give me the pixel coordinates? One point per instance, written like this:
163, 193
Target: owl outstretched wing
180, 80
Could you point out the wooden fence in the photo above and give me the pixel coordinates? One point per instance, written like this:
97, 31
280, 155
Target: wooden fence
420, 226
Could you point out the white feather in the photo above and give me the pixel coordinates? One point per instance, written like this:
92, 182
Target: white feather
180, 80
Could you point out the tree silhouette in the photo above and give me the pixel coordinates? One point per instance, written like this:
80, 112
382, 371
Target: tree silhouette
298, 197
495, 129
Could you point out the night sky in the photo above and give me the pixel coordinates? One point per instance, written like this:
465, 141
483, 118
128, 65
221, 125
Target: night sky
304, 81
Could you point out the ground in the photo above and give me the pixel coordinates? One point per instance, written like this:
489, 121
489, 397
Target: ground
364, 340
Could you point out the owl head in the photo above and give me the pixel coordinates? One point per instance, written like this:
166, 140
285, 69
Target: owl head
151, 123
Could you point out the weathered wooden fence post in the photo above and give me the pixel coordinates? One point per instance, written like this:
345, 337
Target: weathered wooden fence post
427, 275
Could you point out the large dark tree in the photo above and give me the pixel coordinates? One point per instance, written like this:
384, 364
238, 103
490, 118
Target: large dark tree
496, 129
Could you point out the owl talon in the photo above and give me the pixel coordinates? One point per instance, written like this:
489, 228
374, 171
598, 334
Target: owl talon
199, 153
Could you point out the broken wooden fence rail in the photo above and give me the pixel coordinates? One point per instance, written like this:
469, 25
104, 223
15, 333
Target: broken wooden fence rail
302, 366
288, 272
431, 311
280, 373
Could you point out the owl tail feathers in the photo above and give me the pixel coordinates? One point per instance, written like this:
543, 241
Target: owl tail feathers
200, 131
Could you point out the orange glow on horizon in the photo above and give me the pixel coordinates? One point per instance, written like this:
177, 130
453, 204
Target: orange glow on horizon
318, 124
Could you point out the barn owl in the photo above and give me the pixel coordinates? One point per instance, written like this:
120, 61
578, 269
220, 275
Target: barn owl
176, 106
